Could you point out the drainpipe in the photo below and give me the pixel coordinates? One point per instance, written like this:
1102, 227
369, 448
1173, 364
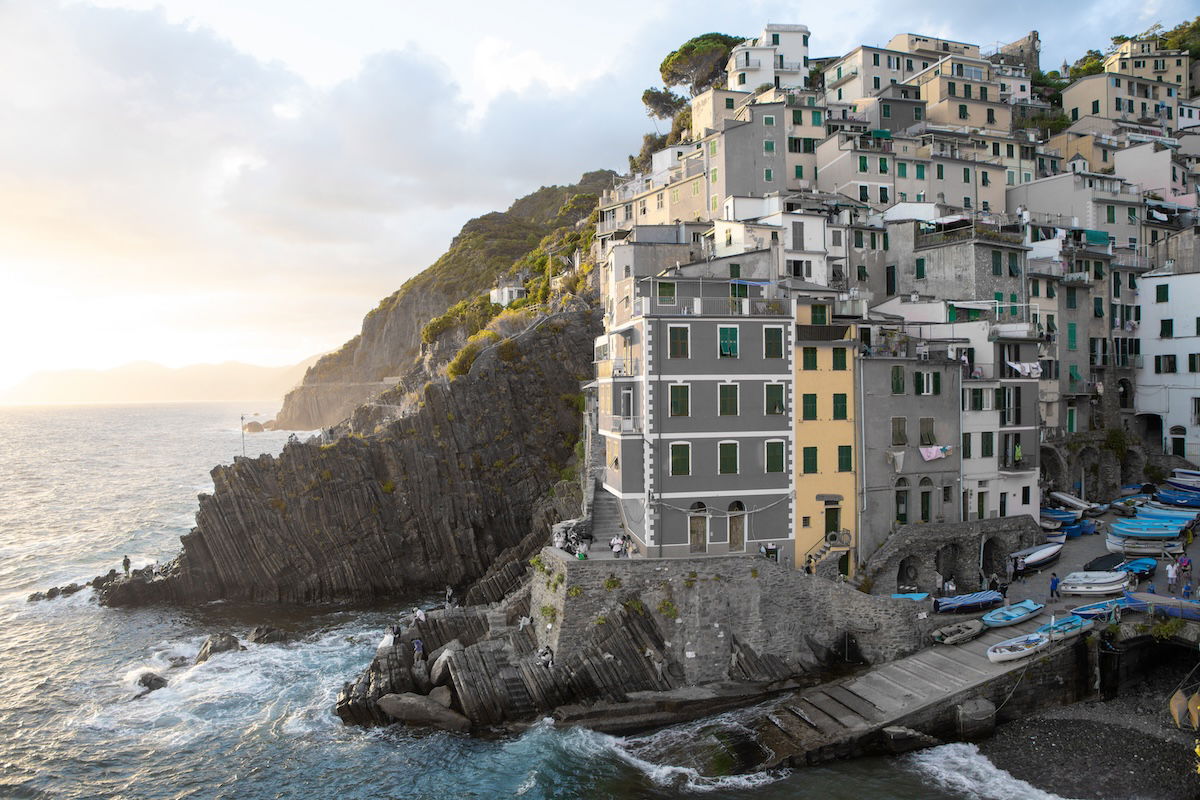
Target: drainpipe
861, 448
654, 509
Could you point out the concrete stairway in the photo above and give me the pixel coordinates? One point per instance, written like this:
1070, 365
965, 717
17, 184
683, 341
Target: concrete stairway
606, 517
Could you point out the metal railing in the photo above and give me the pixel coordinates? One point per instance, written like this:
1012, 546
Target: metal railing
714, 306
617, 368
619, 424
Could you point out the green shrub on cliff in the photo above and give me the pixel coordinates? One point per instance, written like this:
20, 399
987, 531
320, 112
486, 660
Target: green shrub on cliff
461, 363
469, 315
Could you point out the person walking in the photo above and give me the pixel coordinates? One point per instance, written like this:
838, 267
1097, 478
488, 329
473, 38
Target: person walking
1019, 568
994, 583
1172, 575
1054, 595
1187, 590
125, 563
418, 650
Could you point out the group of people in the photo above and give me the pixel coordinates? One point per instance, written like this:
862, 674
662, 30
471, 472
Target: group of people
1179, 571
622, 545
947, 587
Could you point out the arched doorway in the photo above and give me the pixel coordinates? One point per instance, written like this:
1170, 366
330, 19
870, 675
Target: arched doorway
737, 526
698, 528
901, 506
1150, 428
993, 559
1124, 394
907, 575
1087, 481
946, 562
1133, 467
1053, 467
926, 500
1177, 445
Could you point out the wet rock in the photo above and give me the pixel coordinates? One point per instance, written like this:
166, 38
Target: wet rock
265, 634
35, 597
178, 661
414, 709
442, 695
253, 426
70, 589
151, 681
53, 592
217, 643
420, 676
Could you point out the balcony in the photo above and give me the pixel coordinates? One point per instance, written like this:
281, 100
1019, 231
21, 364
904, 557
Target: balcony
789, 66
1099, 360
980, 372
1127, 360
625, 424
966, 233
617, 368
747, 63
1013, 330
1077, 277
714, 307
845, 76
1009, 464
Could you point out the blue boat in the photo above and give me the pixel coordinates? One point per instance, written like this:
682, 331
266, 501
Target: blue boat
1072, 531
967, 602
1012, 614
1061, 515
1162, 605
1150, 512
1142, 567
1105, 609
1066, 627
1182, 499
1116, 529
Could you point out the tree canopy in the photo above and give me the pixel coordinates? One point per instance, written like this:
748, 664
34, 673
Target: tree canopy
662, 103
1092, 63
699, 62
1185, 36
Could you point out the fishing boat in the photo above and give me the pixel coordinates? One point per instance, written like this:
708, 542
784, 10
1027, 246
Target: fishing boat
1019, 647
1162, 605
1071, 501
1012, 614
1145, 533
1104, 609
959, 632
1160, 506
1061, 515
1038, 556
1139, 567
1184, 484
1133, 546
1101, 583
967, 602
1050, 524
1066, 627
1181, 499
1153, 512
1055, 537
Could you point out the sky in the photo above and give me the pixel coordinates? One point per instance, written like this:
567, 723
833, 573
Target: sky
198, 181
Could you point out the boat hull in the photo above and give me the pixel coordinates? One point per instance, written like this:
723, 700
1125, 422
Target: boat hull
1066, 628
1095, 583
1012, 614
1103, 609
1143, 547
1018, 647
959, 632
1162, 605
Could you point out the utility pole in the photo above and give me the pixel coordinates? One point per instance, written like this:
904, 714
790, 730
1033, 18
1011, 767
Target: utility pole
243, 435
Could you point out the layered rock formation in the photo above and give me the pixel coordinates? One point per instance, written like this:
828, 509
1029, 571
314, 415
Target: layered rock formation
390, 341
430, 500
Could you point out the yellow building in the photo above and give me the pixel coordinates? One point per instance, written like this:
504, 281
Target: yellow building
1144, 58
825, 429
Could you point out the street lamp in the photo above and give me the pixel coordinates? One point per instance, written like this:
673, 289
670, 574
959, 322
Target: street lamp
243, 435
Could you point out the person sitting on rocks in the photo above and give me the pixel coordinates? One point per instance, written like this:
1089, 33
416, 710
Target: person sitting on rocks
419, 614
546, 657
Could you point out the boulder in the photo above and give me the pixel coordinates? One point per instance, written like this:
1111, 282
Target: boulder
439, 673
33, 598
53, 592
453, 644
265, 634
414, 709
442, 695
151, 681
217, 643
70, 589
420, 676
253, 426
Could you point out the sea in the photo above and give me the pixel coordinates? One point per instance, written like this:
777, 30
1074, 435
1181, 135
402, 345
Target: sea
83, 486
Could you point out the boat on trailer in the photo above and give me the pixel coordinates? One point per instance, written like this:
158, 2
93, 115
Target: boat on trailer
1018, 647
1104, 609
1131, 546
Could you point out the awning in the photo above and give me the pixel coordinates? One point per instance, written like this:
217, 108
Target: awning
881, 133
1096, 237
744, 282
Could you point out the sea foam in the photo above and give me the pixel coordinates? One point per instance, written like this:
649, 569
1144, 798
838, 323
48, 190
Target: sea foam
963, 770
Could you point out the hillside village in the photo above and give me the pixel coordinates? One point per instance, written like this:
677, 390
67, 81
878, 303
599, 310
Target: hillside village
897, 286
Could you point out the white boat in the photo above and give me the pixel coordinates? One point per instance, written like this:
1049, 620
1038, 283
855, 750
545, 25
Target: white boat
1056, 537
1071, 501
1094, 583
1066, 627
1049, 524
1019, 647
1143, 547
1185, 473
1038, 556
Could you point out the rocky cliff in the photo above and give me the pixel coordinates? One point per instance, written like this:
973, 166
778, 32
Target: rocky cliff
390, 339
429, 500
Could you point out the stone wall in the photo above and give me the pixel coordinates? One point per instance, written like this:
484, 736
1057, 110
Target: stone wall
953, 549
711, 608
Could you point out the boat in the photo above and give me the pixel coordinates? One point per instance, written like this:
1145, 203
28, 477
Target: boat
1162, 605
1114, 582
1066, 627
1038, 556
1132, 546
1184, 484
1012, 614
1072, 531
1119, 530
1180, 472
959, 632
1140, 567
1019, 647
1071, 501
1181, 499
1057, 537
1050, 524
1061, 515
1104, 609
967, 602
1160, 506
1151, 512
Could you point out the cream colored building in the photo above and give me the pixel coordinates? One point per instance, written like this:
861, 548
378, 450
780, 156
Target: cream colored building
778, 57
959, 91
931, 46
866, 70
1143, 58
1121, 96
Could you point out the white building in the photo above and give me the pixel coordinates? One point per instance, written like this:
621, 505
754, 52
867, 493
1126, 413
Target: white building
778, 57
1168, 384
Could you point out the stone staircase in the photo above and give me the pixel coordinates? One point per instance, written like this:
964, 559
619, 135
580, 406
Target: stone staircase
606, 517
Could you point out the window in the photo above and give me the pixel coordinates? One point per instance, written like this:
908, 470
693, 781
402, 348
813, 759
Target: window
987, 444
839, 353
820, 314
985, 179
918, 113
920, 172
862, 164
897, 379
1193, 362
741, 79
810, 460
997, 260
902, 169
768, 175
816, 118
952, 88
799, 172
966, 174
666, 293
773, 396
1098, 307
809, 407
1071, 336
727, 399
775, 456
845, 458
963, 113
677, 336
727, 458
839, 406
883, 166
899, 431
886, 109
727, 339
1166, 328
1035, 288
1162, 293
681, 458
858, 238
1072, 298
772, 342
680, 399
966, 445
927, 383
883, 195
941, 173
729, 102
864, 193
769, 146
1164, 363
768, 119
927, 436
1014, 265
1111, 214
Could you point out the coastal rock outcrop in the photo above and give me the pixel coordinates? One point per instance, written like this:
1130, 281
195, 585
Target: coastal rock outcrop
429, 501
151, 681
415, 709
217, 643
265, 634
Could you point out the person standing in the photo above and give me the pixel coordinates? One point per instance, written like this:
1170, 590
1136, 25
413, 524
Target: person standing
418, 650
1172, 574
1054, 595
1187, 590
125, 563
1019, 568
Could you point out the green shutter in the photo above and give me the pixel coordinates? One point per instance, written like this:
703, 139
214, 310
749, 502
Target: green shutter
678, 337
679, 400
966, 445
845, 458
1161, 293
820, 314
918, 383
680, 459
773, 347
810, 357
839, 406
810, 406
921, 268
937, 383
862, 163
996, 262
775, 454
1071, 336
897, 379
839, 353
987, 446
728, 342
810, 460
920, 172
1012, 309
816, 118
727, 399
774, 398
728, 458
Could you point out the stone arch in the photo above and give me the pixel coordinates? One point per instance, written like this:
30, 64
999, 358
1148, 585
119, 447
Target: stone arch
1149, 428
1133, 467
946, 562
1053, 467
1088, 463
908, 573
993, 556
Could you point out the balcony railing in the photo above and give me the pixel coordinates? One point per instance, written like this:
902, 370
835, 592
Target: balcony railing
617, 368
839, 80
714, 306
1013, 330
625, 424
965, 233
789, 66
1127, 360
1077, 277
1009, 464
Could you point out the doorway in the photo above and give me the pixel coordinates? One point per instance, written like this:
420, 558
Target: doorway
737, 526
698, 528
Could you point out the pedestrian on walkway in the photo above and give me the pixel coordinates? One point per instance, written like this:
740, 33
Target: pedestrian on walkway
1172, 575
1054, 595
1019, 568
1010, 567
1187, 591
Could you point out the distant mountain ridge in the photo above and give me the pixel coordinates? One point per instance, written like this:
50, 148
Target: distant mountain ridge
147, 382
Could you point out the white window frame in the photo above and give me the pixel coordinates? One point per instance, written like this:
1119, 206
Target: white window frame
737, 457
768, 119
671, 458
782, 337
670, 391
737, 388
785, 399
767, 461
737, 328
658, 296
687, 328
